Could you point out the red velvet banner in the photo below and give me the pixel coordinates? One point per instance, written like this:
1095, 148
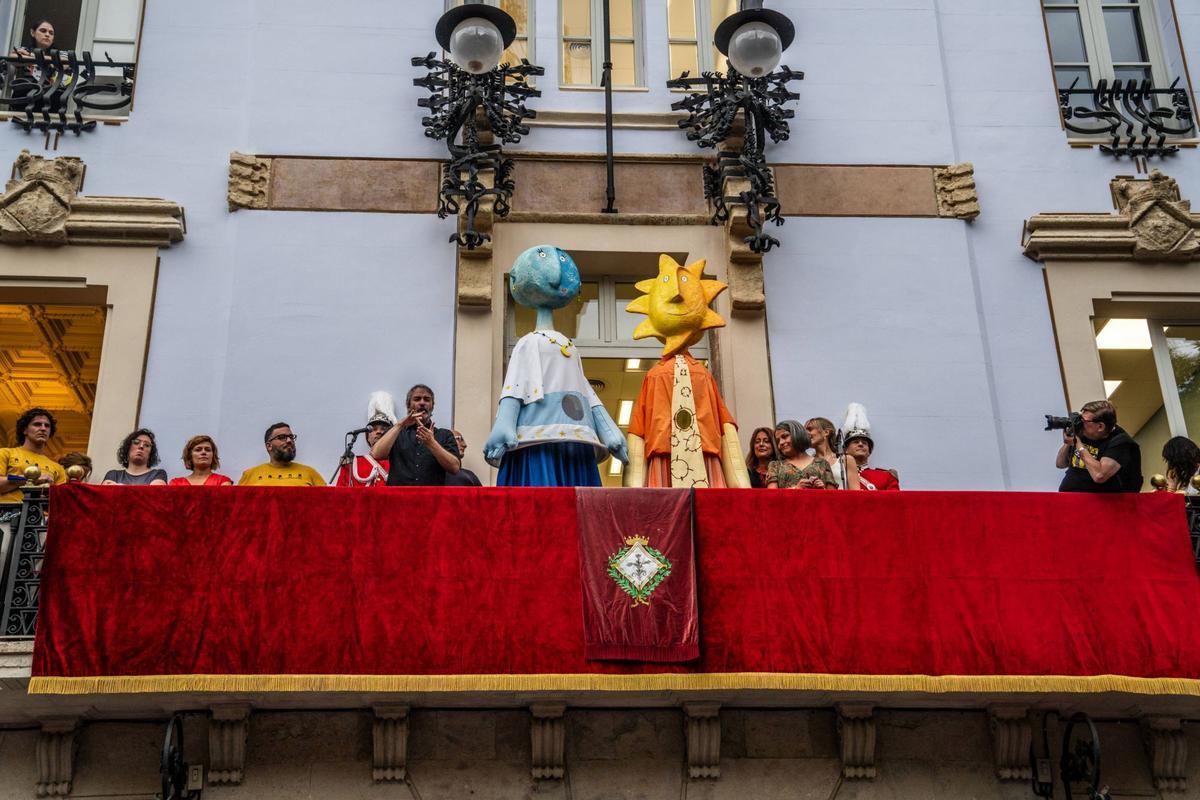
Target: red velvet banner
193, 588
638, 571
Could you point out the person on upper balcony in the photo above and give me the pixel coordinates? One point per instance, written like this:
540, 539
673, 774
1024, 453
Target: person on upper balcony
1182, 457
821, 433
859, 446
418, 452
762, 453
796, 469
35, 428
201, 457
41, 37
1099, 456
366, 472
138, 457
282, 469
464, 477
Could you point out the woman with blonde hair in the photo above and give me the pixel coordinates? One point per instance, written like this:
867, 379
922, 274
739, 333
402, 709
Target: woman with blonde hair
821, 433
200, 456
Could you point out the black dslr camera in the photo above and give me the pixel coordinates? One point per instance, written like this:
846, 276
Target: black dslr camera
1071, 424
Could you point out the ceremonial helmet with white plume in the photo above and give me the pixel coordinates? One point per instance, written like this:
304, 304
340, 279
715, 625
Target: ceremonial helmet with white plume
381, 408
857, 426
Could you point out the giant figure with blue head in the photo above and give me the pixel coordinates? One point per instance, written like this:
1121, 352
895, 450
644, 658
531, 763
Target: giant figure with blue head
551, 429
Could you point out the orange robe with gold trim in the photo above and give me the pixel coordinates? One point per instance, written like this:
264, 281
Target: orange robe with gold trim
651, 417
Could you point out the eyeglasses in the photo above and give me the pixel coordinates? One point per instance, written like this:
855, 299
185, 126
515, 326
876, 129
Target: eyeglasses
284, 437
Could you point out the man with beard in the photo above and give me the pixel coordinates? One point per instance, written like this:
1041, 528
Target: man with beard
281, 470
34, 429
418, 452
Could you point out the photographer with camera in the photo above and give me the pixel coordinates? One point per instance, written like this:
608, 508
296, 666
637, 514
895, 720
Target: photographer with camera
1097, 454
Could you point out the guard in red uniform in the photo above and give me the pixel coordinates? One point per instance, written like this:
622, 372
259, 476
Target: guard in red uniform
365, 471
860, 445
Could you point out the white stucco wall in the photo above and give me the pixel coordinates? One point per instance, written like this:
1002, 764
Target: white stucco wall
941, 328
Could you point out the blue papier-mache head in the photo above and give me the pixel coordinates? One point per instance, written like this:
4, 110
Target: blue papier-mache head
544, 276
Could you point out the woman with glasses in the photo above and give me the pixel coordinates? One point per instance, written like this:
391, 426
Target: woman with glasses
200, 456
138, 455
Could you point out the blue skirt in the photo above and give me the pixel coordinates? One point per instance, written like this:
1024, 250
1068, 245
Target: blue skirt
551, 464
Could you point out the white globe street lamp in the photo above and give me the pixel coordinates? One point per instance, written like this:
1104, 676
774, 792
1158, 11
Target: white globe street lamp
755, 49
476, 45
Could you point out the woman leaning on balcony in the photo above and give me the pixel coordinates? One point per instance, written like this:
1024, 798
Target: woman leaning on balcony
796, 469
138, 454
762, 453
200, 456
1183, 460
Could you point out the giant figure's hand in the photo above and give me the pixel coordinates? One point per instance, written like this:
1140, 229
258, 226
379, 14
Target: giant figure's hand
610, 435
504, 432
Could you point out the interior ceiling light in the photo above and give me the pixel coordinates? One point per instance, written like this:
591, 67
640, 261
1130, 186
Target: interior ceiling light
624, 412
1124, 334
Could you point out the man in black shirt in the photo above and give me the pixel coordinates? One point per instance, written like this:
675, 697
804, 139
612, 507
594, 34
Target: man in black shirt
418, 453
1100, 456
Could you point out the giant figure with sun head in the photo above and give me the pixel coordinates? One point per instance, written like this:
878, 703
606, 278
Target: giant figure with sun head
680, 433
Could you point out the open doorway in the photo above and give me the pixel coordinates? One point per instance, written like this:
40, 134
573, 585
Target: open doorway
50, 358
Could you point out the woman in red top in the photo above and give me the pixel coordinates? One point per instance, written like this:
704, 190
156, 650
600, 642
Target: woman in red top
200, 456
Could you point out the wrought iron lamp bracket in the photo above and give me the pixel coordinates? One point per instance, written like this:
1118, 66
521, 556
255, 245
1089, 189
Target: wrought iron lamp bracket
476, 115
715, 103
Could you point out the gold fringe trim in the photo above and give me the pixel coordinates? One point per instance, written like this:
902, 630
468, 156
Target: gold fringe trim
683, 682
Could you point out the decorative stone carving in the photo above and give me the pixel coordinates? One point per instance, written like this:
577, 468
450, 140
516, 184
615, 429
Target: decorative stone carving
249, 181
856, 729
1153, 223
1159, 217
389, 737
37, 203
1167, 747
42, 206
954, 187
549, 736
1012, 733
227, 743
703, 739
56, 757
475, 277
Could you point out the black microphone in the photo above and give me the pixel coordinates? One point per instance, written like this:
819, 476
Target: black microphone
358, 431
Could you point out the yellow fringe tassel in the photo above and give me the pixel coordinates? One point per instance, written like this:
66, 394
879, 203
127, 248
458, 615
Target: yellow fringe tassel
932, 684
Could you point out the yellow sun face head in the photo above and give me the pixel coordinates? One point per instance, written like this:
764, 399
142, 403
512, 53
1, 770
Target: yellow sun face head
676, 305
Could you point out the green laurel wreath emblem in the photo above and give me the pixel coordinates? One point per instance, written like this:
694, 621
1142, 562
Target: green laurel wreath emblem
641, 597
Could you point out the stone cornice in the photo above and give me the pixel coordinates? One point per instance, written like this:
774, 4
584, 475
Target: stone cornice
1152, 223
42, 206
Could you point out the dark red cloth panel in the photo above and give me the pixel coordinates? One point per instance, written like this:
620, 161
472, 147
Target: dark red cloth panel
262, 581
616, 625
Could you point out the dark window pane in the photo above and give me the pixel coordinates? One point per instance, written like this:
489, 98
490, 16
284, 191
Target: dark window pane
1065, 76
1125, 40
1066, 35
1138, 74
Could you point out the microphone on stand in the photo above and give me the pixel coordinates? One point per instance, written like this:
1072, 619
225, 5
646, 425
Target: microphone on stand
357, 431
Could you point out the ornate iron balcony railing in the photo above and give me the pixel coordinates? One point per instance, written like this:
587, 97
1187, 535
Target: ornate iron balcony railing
1137, 119
55, 89
23, 546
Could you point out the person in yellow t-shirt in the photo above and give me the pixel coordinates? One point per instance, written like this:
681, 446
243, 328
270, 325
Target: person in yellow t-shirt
34, 429
281, 470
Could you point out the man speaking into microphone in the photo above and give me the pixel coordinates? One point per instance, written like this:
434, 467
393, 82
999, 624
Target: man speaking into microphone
418, 452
